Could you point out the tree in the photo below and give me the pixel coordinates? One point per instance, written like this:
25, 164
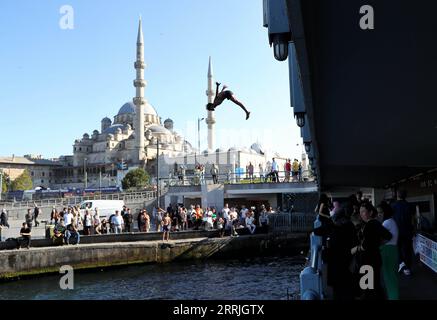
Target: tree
4, 186
22, 182
136, 179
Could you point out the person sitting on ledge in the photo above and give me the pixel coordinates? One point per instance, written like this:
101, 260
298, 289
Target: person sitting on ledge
25, 234
58, 233
72, 233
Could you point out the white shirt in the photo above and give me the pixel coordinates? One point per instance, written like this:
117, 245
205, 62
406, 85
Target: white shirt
275, 166
390, 225
208, 217
88, 220
243, 213
68, 218
117, 220
249, 221
225, 213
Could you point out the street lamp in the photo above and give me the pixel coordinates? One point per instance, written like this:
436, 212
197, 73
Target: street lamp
85, 175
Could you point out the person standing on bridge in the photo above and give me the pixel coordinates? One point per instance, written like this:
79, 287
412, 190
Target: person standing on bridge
261, 173
275, 170
250, 170
300, 172
214, 173
287, 169
295, 169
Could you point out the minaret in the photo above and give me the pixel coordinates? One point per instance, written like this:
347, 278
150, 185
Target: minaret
139, 100
210, 120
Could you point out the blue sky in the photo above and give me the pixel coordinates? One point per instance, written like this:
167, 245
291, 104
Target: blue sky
58, 84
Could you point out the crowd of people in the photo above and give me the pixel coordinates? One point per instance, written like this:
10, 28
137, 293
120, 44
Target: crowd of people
227, 221
71, 222
356, 234
292, 172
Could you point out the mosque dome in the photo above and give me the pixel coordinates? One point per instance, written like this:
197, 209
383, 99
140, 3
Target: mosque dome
114, 128
257, 148
168, 124
129, 108
159, 129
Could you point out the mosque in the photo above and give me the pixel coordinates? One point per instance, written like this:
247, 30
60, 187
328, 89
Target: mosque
133, 139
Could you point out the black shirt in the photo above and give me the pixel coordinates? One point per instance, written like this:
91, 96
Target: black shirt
25, 230
372, 235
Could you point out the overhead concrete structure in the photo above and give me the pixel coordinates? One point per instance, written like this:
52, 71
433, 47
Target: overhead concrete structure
364, 98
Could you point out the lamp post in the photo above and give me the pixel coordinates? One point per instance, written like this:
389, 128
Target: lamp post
85, 175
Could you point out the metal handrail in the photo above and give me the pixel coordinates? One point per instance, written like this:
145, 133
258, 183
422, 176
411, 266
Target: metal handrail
77, 200
228, 178
311, 284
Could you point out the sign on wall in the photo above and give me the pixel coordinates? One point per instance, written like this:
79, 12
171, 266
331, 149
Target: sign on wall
428, 251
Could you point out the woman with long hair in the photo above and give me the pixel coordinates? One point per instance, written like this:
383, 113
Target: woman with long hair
371, 236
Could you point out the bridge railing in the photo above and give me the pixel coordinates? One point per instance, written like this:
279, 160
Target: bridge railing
311, 281
232, 178
291, 222
72, 201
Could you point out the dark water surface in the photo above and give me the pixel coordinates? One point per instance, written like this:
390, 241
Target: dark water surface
249, 279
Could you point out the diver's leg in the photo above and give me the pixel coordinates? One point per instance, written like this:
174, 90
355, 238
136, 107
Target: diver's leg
234, 100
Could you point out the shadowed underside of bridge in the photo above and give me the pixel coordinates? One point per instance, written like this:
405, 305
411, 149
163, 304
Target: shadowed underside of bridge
370, 94
253, 188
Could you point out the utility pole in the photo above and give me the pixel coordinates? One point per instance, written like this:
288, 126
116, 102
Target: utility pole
157, 172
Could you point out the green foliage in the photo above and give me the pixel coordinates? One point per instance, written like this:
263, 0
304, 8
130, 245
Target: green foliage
4, 186
136, 179
23, 182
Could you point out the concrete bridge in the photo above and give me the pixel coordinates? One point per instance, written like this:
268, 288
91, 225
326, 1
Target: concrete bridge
217, 194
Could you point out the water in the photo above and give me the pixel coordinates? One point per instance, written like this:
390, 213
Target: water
249, 279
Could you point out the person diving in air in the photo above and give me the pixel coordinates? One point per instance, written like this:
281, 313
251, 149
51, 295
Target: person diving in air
221, 96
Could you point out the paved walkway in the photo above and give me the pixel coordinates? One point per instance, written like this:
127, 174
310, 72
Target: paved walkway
421, 285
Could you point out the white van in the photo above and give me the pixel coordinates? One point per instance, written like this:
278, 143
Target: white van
105, 207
